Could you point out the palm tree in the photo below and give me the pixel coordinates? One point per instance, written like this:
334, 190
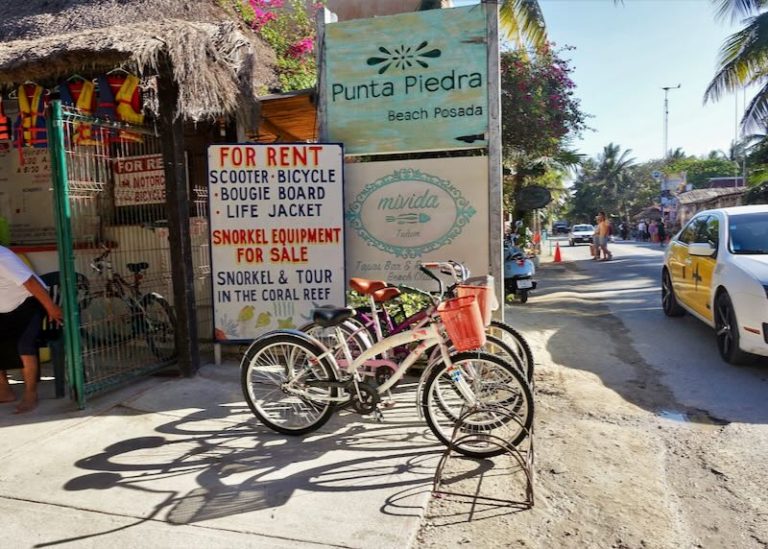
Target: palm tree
744, 58
613, 167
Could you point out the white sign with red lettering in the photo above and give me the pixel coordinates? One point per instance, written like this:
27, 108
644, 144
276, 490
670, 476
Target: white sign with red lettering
277, 235
139, 180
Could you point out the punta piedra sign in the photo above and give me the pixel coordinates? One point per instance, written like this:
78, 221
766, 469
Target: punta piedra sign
409, 82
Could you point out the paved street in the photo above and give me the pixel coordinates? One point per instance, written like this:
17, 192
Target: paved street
644, 437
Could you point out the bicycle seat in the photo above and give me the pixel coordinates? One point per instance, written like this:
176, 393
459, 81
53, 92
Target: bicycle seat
137, 267
365, 286
329, 316
385, 294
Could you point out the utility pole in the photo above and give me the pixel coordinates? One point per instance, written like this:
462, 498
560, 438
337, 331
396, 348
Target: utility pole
666, 144
666, 117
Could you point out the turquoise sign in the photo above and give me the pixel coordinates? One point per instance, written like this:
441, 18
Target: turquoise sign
409, 82
409, 213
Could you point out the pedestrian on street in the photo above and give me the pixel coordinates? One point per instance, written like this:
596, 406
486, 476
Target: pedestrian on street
641, 229
24, 300
603, 232
653, 231
662, 232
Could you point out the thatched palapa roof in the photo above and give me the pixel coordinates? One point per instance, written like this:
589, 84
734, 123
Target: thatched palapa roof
217, 62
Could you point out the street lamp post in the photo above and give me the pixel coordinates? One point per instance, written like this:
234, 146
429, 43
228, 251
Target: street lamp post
666, 144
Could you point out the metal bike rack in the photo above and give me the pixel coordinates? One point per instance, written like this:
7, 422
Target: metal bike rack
522, 454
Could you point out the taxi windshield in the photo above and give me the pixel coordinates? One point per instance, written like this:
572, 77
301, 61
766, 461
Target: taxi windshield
748, 233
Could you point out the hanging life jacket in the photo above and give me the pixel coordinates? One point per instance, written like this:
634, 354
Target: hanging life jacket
5, 124
81, 96
30, 125
119, 101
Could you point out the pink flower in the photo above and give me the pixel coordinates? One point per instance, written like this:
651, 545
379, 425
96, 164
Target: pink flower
302, 47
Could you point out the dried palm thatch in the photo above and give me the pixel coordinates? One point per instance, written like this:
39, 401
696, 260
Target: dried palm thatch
216, 61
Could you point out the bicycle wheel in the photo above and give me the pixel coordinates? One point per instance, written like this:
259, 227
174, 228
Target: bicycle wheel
106, 320
493, 345
159, 327
496, 386
514, 339
276, 375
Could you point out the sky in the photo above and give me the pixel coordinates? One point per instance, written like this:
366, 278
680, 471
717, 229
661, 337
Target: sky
626, 53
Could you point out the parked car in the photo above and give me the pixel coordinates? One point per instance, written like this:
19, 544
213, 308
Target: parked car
581, 234
716, 268
560, 227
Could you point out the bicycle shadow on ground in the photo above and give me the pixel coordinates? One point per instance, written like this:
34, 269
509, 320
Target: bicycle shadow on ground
220, 467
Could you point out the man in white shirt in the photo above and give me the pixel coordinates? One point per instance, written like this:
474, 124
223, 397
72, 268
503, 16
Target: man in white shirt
23, 301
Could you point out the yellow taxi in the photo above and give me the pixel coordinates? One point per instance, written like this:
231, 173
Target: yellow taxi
716, 268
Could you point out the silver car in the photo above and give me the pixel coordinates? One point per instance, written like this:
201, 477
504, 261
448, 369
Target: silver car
581, 234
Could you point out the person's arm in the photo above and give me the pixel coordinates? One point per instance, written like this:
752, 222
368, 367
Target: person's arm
41, 294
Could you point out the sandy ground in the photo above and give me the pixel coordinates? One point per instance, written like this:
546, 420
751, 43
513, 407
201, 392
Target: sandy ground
614, 465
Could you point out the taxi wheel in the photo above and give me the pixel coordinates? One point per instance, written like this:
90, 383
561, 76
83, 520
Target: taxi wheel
668, 300
727, 331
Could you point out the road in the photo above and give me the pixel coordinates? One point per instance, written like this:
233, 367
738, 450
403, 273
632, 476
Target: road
644, 436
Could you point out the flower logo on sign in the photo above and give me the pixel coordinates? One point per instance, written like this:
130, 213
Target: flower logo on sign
404, 57
409, 213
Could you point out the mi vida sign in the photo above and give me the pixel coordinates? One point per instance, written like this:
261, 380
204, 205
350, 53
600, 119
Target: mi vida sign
409, 82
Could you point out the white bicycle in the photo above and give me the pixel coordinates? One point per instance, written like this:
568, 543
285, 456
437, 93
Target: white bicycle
294, 383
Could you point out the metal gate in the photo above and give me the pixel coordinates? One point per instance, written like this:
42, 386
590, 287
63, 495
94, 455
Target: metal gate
109, 191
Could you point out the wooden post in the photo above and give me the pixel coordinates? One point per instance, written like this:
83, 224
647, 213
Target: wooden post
177, 207
495, 186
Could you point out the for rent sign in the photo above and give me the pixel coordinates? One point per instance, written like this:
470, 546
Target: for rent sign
408, 82
277, 239
139, 180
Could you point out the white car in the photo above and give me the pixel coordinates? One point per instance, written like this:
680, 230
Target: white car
581, 234
716, 268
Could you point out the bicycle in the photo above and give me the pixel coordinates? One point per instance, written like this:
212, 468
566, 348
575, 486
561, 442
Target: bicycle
122, 312
293, 382
373, 322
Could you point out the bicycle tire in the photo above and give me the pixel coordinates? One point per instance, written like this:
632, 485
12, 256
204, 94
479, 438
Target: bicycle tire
159, 327
277, 356
493, 345
107, 320
443, 405
516, 340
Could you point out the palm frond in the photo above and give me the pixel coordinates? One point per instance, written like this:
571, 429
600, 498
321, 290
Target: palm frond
523, 21
743, 58
735, 10
757, 111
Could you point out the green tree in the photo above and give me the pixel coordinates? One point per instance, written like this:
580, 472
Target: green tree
700, 170
539, 116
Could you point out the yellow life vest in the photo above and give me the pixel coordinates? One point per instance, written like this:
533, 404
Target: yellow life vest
32, 130
124, 97
83, 131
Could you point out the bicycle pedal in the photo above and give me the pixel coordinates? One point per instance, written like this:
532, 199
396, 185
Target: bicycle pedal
387, 404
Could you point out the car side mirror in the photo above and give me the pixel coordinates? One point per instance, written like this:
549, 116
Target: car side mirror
702, 249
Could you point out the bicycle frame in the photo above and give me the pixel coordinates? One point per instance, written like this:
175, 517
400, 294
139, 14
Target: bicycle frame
428, 336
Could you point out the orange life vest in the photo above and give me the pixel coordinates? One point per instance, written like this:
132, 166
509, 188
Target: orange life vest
5, 124
31, 130
81, 96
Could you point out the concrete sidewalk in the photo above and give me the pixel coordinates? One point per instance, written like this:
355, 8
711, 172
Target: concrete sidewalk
171, 462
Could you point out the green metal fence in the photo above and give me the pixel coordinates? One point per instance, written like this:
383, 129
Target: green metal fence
114, 254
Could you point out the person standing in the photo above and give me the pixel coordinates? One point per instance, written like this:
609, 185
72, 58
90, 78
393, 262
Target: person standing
603, 232
653, 230
641, 228
662, 232
23, 301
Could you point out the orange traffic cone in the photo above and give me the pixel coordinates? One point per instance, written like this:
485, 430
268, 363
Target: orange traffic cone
558, 257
